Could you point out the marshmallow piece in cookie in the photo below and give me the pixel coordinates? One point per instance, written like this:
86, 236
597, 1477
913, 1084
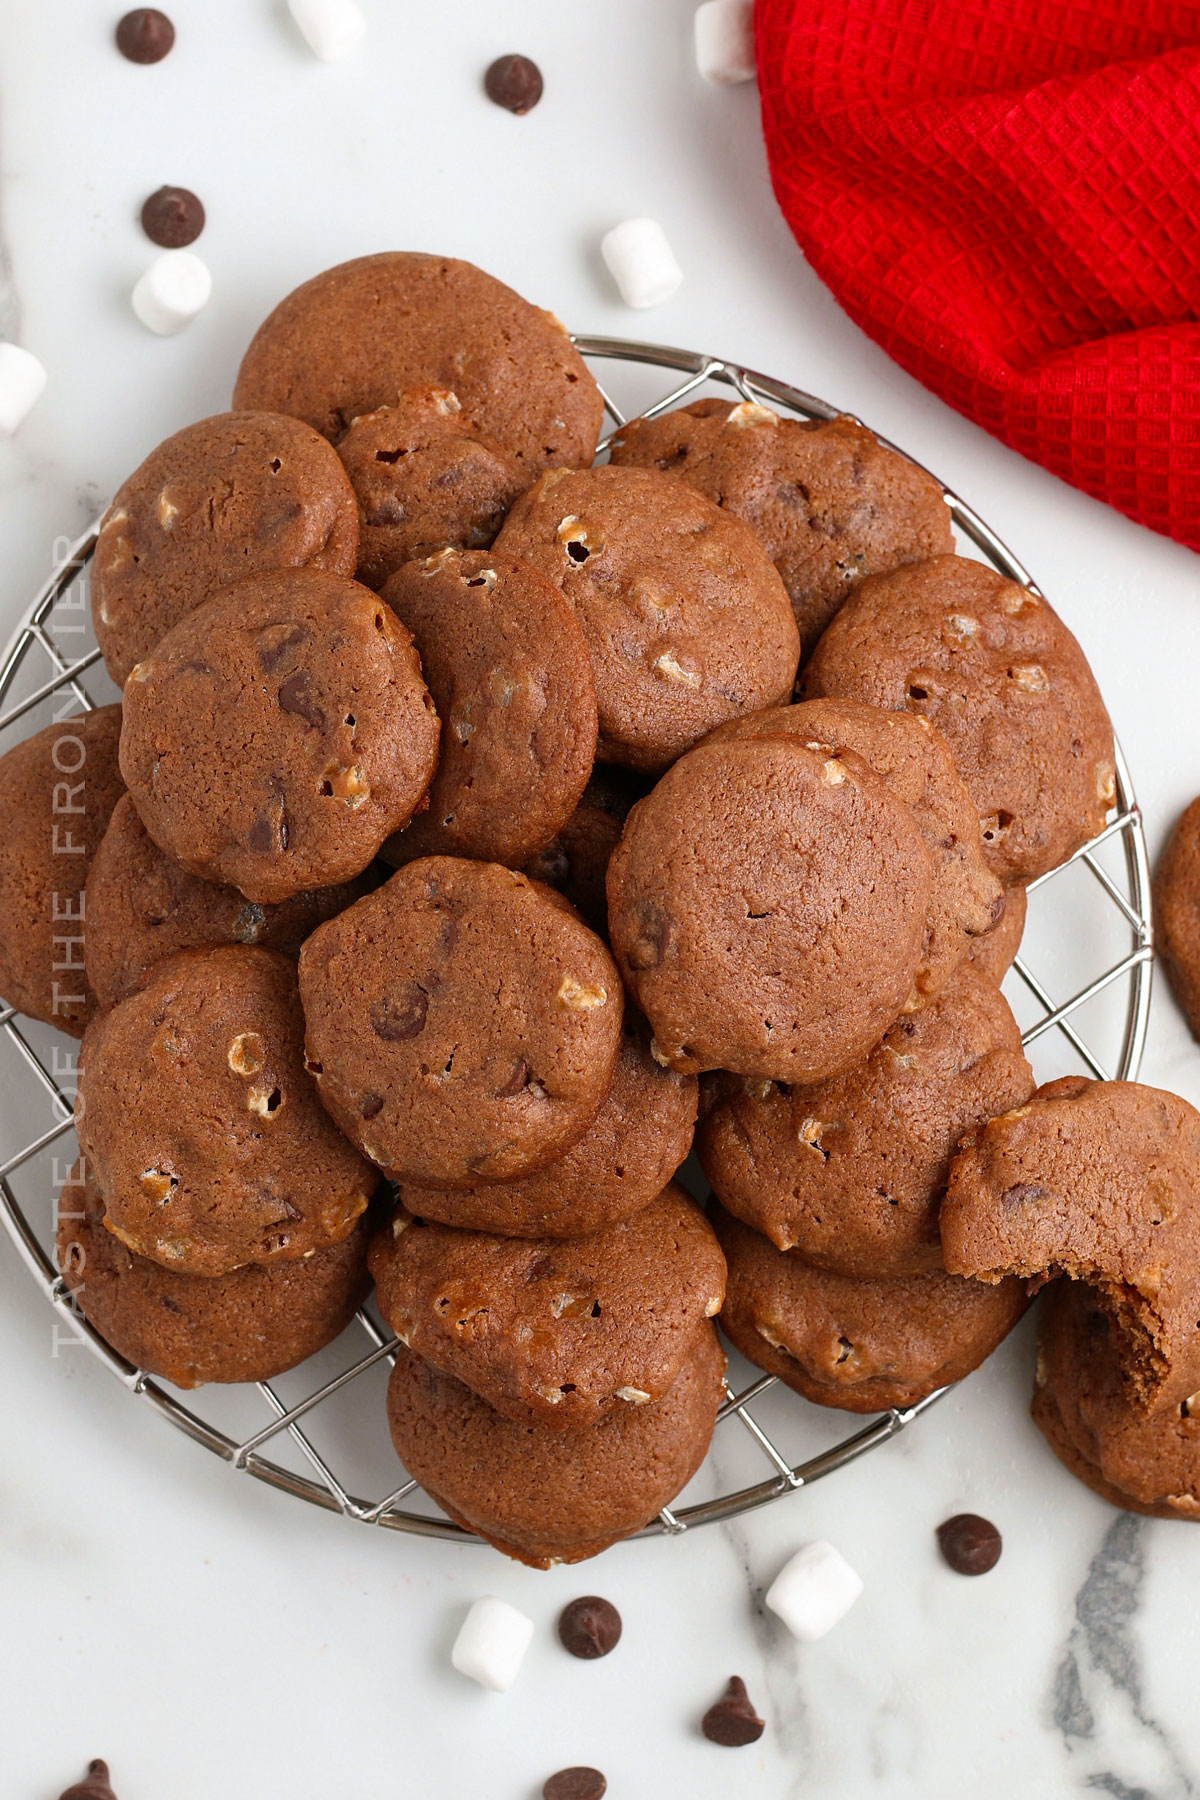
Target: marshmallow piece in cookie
641, 262
172, 291
331, 28
725, 41
22, 379
814, 1589
491, 1645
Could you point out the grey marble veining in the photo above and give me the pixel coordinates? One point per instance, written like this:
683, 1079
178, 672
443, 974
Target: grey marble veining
1099, 1700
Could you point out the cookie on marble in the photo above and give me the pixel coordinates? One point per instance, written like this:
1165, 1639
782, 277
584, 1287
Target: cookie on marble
57, 793
994, 953
1081, 1403
357, 336
768, 907
423, 481
686, 619
636, 1142
916, 763
862, 1345
576, 859
244, 493
830, 503
1177, 912
279, 734
544, 1496
463, 1023
202, 1127
851, 1172
248, 1325
553, 1333
141, 906
508, 668
995, 669
1098, 1180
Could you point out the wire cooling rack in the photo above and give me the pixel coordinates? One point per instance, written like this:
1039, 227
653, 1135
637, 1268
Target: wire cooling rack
1081, 989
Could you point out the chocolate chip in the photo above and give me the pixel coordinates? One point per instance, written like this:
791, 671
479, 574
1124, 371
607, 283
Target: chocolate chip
398, 1017
969, 1544
575, 1784
1021, 1191
388, 510
272, 652
514, 83
590, 1627
732, 1721
653, 932
371, 1105
295, 696
173, 217
261, 835
95, 1787
516, 1082
145, 35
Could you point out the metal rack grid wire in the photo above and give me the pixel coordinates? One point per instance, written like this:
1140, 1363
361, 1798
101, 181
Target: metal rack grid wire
36, 661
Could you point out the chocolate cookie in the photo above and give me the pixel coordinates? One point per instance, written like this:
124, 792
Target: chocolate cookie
546, 1496
202, 1128
279, 734
1146, 1464
244, 493
553, 1333
576, 859
463, 1023
996, 670
638, 1139
141, 906
57, 791
1098, 1180
851, 1172
353, 338
424, 480
1049, 1422
245, 1326
994, 953
829, 502
768, 906
687, 621
916, 763
509, 671
863, 1346
1177, 912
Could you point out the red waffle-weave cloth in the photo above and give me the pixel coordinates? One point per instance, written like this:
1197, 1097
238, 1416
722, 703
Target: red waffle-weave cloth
1005, 194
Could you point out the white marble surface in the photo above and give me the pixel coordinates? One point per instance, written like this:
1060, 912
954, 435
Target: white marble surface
209, 1636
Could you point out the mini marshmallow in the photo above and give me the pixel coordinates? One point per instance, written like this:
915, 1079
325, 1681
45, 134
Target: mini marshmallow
641, 262
813, 1590
725, 41
173, 290
491, 1646
331, 28
22, 379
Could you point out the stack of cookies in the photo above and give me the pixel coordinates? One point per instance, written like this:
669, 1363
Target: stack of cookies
463, 830
1097, 1184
